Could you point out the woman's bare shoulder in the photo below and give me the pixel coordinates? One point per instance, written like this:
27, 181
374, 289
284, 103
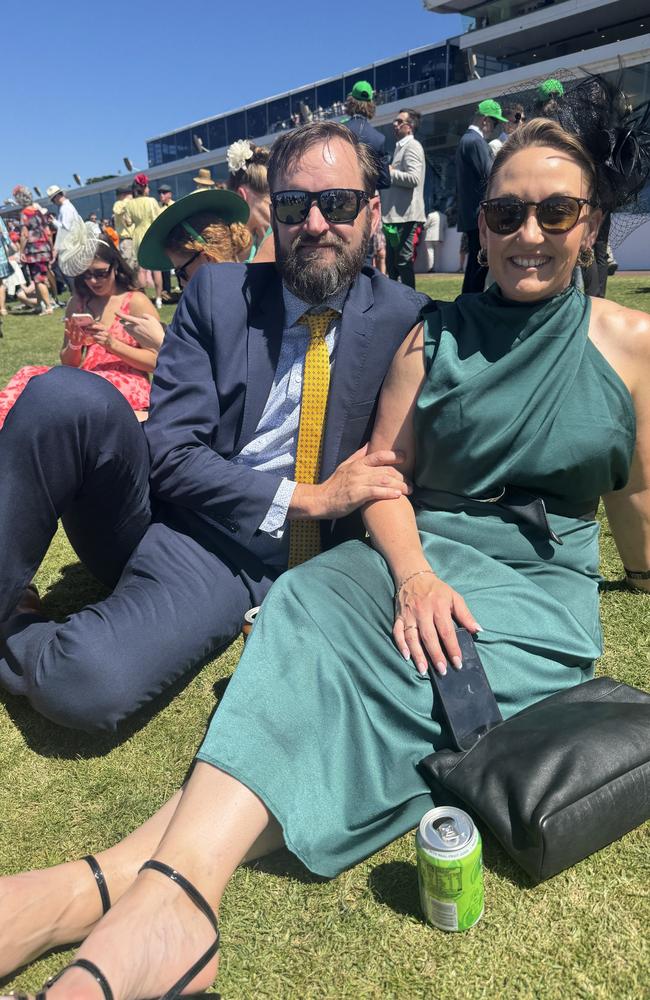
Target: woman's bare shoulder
627, 329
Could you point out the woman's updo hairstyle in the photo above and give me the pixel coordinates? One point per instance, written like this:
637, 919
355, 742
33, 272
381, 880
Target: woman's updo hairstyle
247, 166
545, 132
221, 241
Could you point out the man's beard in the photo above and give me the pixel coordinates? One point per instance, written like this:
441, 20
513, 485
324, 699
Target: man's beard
306, 274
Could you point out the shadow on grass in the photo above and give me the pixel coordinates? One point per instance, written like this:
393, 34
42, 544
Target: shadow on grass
286, 865
606, 586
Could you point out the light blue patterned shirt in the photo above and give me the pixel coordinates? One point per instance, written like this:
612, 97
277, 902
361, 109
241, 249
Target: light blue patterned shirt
273, 447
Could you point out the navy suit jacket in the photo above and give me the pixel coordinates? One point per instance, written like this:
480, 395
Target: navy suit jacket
473, 164
367, 133
213, 379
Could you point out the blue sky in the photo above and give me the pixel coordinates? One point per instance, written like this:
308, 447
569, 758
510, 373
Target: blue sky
85, 84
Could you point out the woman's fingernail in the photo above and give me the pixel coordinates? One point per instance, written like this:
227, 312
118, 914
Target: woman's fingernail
477, 628
441, 667
406, 653
457, 662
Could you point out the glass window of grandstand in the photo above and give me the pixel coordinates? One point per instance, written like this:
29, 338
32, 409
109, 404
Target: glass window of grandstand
328, 95
256, 123
184, 146
279, 112
303, 104
86, 205
497, 11
183, 183
217, 133
392, 80
199, 136
236, 127
154, 153
429, 69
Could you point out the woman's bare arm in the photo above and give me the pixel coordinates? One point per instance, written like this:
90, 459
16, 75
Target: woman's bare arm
425, 606
628, 510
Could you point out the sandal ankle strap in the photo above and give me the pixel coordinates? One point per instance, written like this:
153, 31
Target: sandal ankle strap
100, 880
199, 901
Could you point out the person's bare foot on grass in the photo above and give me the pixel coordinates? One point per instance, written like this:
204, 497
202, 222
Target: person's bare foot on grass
43, 909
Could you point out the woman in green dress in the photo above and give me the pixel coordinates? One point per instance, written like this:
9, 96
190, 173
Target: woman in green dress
527, 390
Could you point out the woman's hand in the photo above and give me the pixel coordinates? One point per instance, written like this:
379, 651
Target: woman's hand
76, 334
146, 329
99, 334
425, 611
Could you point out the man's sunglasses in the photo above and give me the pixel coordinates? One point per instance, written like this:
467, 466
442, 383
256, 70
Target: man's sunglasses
335, 205
181, 272
98, 274
557, 214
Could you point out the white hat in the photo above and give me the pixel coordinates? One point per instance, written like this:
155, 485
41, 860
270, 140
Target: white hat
52, 190
78, 248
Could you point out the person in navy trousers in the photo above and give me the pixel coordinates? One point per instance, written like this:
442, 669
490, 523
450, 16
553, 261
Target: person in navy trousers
188, 523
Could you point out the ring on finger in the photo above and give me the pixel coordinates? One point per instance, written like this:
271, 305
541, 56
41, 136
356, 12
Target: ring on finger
409, 627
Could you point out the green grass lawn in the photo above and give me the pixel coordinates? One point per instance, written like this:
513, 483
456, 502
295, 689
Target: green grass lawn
285, 934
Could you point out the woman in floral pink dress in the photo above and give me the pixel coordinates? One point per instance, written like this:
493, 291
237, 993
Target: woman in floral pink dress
105, 340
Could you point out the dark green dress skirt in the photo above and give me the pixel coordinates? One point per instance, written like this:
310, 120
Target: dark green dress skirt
323, 719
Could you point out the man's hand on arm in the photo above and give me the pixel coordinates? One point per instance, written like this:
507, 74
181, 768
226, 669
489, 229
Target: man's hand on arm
358, 480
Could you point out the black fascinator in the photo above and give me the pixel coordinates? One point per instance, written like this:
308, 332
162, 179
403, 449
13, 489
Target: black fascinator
615, 134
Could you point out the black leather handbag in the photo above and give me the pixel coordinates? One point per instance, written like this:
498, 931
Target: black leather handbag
560, 779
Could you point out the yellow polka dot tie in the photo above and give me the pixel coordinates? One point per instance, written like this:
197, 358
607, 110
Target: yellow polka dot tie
304, 540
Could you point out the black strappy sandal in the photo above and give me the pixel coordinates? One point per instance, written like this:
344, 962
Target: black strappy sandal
104, 894
96, 972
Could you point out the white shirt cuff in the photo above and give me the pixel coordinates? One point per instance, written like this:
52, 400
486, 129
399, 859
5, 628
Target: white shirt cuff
276, 516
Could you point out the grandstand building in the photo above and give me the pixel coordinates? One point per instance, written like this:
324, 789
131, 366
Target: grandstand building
507, 47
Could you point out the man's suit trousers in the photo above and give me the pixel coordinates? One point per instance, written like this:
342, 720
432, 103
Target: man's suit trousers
71, 448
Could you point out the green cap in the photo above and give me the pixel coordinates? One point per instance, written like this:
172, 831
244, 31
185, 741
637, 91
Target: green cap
226, 206
491, 109
550, 88
362, 91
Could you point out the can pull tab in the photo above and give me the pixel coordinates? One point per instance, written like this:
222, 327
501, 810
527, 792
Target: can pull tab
447, 830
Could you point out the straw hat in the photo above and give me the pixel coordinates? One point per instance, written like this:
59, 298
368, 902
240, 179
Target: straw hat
204, 178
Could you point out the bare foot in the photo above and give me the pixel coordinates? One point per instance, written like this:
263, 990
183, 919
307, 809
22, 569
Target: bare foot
150, 938
43, 909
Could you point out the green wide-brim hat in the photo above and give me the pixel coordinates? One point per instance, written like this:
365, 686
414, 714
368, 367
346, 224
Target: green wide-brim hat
226, 206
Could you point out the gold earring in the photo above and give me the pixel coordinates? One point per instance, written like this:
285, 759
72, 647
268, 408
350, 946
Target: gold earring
482, 257
586, 257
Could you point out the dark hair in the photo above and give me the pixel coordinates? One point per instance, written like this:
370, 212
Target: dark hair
414, 117
513, 109
545, 132
365, 108
289, 148
124, 276
255, 174
138, 189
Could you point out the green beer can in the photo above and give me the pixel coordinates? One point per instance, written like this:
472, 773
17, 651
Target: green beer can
450, 869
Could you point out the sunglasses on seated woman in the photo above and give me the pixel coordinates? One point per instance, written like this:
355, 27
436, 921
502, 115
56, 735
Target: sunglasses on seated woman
557, 214
181, 272
335, 205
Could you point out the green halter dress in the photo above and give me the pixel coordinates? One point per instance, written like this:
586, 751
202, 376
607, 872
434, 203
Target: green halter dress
323, 719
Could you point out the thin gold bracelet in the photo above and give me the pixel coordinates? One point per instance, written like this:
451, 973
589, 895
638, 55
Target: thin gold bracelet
406, 579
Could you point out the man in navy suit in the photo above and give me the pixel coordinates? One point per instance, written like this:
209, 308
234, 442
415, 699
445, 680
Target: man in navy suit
473, 164
189, 526
360, 108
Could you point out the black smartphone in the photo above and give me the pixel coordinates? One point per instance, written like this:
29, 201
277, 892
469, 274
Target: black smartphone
467, 701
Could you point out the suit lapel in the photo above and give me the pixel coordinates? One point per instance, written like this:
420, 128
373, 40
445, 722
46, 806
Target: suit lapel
265, 329
352, 348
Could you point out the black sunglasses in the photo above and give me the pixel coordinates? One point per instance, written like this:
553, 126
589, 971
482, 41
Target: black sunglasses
98, 275
557, 214
335, 205
181, 272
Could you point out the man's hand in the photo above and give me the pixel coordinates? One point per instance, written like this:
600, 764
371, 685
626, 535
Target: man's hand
357, 481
